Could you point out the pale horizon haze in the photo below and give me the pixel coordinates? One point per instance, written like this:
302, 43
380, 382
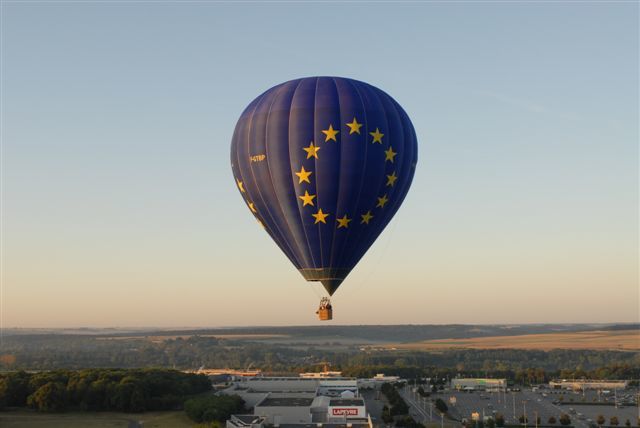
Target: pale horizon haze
119, 207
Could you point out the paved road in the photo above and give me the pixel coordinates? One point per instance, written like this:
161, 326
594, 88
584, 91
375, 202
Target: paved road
422, 409
374, 401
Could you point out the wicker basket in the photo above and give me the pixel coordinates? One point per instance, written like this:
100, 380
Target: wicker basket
325, 314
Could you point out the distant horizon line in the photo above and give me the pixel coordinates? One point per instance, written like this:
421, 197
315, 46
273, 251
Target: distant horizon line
150, 327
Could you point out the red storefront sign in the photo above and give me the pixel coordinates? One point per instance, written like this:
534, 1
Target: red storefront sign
344, 411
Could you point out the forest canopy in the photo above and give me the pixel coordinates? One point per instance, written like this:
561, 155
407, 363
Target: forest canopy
122, 390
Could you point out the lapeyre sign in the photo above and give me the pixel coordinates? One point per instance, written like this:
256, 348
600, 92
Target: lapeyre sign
343, 412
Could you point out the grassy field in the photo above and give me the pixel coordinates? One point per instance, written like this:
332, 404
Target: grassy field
621, 340
24, 419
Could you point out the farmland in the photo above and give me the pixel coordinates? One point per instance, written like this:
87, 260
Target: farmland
616, 340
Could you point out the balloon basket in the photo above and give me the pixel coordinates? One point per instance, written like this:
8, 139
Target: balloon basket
325, 311
325, 314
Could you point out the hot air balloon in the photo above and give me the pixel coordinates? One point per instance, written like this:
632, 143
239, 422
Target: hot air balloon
324, 163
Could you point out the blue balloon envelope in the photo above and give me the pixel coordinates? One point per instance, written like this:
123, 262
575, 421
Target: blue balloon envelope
324, 163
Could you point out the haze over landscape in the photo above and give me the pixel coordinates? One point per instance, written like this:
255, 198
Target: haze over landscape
141, 141
119, 208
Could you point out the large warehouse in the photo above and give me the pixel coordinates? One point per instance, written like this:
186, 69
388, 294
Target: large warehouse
579, 385
479, 384
300, 402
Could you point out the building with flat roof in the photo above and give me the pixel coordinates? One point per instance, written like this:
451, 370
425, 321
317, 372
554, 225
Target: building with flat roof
279, 410
300, 402
582, 384
377, 381
321, 375
245, 421
229, 372
479, 384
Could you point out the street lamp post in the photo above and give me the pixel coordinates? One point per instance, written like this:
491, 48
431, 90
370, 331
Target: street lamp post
524, 409
536, 413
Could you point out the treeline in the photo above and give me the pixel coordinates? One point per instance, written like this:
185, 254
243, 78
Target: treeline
528, 376
47, 352
375, 333
100, 389
398, 405
50, 352
503, 360
213, 408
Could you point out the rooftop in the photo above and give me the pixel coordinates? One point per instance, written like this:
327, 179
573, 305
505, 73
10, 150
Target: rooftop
346, 402
285, 402
327, 425
248, 419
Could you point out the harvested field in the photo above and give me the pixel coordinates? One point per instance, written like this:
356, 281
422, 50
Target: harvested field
621, 340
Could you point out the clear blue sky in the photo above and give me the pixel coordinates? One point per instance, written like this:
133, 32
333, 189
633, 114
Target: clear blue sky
119, 208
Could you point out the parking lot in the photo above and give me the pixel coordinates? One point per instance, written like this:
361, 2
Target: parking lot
512, 405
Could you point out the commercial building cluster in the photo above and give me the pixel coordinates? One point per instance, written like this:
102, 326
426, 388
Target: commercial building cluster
311, 400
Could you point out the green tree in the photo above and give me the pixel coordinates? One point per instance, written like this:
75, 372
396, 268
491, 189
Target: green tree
441, 405
523, 419
386, 414
213, 407
565, 419
50, 397
491, 423
600, 420
613, 421
14, 389
627, 423
551, 420
499, 420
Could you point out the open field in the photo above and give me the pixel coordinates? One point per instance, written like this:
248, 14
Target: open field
619, 340
25, 419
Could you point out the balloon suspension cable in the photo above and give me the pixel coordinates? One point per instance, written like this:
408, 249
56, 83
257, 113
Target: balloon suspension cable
317, 289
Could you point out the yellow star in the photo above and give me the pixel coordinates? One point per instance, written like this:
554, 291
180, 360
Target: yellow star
343, 222
377, 136
390, 154
307, 199
366, 217
240, 185
320, 217
303, 175
312, 150
391, 179
354, 126
252, 207
382, 201
330, 134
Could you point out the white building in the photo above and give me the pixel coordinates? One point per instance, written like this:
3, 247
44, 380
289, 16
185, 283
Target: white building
479, 384
305, 410
377, 381
290, 410
299, 402
245, 421
579, 385
321, 375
